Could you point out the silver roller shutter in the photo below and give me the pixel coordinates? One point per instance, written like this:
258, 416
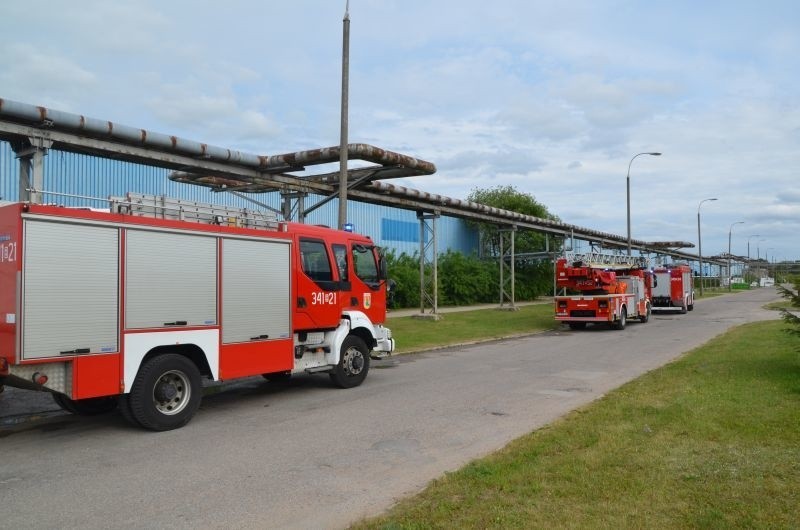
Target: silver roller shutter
70, 289
170, 278
255, 290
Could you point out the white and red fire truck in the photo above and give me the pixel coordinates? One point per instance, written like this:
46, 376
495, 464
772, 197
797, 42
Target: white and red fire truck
134, 307
673, 289
606, 288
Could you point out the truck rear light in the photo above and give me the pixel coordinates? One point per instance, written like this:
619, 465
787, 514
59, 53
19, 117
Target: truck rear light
39, 378
603, 304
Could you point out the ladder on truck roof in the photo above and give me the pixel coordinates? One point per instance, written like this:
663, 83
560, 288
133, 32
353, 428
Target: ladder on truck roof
600, 260
162, 207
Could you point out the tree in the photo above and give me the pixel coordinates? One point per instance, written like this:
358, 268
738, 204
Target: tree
509, 198
534, 275
793, 296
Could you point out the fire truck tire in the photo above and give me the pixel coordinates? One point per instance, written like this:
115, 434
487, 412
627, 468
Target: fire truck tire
576, 325
86, 407
166, 393
353, 363
683, 307
623, 319
646, 316
125, 410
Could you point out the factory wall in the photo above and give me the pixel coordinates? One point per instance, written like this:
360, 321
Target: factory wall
80, 180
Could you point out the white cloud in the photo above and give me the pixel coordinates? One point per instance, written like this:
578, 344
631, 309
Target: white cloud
54, 78
552, 98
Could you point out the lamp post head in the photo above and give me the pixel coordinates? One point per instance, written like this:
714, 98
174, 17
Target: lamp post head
701, 203
654, 154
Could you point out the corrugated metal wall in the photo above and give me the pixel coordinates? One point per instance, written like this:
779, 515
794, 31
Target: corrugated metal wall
77, 174
9, 173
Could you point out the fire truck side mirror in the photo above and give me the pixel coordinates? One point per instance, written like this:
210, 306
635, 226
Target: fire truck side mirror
383, 267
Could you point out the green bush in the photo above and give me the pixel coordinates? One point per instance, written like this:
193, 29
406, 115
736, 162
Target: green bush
466, 280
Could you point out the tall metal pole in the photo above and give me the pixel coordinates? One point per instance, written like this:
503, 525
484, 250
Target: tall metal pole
749, 264
628, 194
730, 231
343, 134
700, 242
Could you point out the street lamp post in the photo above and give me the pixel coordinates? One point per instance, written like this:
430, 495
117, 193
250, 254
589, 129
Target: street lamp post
749, 265
766, 258
748, 245
730, 231
628, 189
700, 242
758, 257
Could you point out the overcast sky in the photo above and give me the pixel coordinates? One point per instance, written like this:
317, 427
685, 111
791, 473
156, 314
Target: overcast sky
554, 98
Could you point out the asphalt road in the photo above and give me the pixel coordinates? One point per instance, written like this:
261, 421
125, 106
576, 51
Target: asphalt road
303, 454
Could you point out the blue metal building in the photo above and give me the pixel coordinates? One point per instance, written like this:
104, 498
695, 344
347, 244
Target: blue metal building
73, 179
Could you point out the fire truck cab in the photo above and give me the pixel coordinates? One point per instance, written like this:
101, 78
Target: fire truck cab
133, 307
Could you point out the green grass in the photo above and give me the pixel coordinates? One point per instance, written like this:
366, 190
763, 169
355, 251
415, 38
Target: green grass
710, 292
777, 306
711, 441
413, 334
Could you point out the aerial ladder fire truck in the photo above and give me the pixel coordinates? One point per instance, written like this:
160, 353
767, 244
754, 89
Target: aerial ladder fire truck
674, 288
605, 288
133, 307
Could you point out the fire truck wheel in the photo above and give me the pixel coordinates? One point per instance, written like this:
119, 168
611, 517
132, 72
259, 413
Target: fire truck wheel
623, 319
683, 308
166, 393
353, 363
125, 410
644, 318
86, 407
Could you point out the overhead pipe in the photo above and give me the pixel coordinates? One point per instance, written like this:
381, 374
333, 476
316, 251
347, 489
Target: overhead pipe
401, 191
45, 118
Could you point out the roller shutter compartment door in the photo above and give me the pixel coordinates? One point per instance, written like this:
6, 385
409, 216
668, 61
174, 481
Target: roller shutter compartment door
256, 285
70, 289
170, 280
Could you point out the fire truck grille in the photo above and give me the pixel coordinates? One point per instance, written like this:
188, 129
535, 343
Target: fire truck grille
582, 313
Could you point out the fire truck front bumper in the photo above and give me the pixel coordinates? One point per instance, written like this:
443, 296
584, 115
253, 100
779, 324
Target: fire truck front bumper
384, 343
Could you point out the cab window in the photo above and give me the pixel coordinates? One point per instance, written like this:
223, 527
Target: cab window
340, 255
364, 264
315, 261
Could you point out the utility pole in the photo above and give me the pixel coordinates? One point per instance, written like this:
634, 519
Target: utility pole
343, 133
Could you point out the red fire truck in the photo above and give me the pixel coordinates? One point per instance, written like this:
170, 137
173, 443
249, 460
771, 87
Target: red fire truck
133, 307
607, 288
674, 288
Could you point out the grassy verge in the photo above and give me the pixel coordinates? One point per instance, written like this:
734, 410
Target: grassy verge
712, 441
777, 306
413, 334
709, 293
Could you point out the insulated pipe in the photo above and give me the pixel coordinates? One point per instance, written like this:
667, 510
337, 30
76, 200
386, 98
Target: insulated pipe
396, 190
75, 123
